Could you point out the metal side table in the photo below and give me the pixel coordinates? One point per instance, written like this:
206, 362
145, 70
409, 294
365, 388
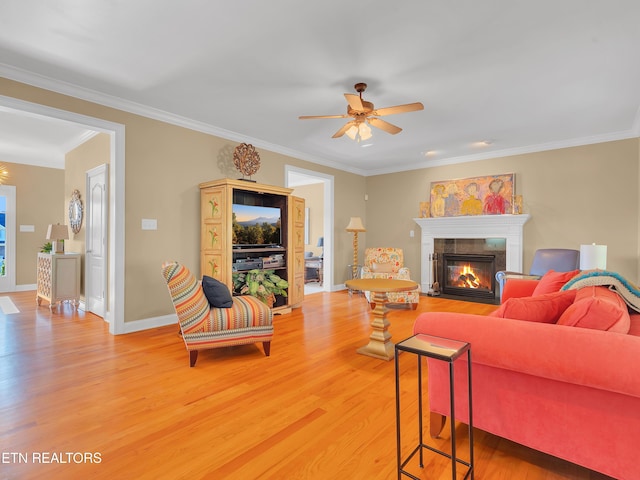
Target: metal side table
448, 351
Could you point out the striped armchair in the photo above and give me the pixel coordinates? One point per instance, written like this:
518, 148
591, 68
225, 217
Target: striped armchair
388, 262
248, 321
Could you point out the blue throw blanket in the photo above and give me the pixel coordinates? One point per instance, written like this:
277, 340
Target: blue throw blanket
629, 292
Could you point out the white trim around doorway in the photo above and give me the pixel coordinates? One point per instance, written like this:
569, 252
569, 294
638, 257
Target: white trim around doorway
328, 182
115, 292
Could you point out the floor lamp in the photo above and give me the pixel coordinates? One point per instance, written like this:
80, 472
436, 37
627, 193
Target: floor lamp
355, 226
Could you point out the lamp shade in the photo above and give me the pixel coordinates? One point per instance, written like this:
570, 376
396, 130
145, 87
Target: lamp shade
355, 225
593, 257
362, 131
320, 242
58, 232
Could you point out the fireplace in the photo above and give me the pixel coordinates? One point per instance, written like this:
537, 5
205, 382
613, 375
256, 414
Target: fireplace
508, 228
469, 275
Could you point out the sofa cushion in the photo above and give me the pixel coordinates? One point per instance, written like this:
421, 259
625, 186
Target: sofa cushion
553, 281
598, 308
634, 329
545, 308
216, 292
518, 287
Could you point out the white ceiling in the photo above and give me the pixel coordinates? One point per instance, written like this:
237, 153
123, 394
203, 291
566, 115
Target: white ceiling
37, 141
521, 75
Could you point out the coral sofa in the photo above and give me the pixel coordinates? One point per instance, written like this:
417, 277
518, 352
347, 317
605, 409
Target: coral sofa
567, 391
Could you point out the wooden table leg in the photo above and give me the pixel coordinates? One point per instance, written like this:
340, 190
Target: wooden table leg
380, 345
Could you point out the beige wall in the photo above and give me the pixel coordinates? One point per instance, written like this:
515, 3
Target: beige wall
92, 153
574, 195
163, 167
39, 199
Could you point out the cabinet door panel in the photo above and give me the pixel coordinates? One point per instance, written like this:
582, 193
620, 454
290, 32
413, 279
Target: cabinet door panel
212, 236
296, 252
212, 204
213, 266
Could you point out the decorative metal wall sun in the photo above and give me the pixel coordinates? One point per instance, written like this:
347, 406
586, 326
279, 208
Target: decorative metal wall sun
246, 159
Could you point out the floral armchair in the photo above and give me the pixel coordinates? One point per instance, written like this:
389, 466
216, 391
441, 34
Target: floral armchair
388, 262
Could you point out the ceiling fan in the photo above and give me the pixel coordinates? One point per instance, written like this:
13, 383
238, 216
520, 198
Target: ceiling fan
364, 113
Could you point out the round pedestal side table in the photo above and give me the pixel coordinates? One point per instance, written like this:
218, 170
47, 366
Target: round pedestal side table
380, 345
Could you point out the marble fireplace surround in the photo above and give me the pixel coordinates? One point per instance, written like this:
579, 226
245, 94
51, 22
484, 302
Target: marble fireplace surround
509, 227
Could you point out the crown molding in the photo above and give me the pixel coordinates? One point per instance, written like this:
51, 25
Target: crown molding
79, 140
35, 160
111, 101
93, 96
509, 152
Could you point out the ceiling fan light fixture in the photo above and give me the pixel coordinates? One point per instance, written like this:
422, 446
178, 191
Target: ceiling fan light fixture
359, 132
364, 114
365, 131
352, 132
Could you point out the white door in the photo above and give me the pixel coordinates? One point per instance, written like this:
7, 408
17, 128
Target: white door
7, 238
96, 241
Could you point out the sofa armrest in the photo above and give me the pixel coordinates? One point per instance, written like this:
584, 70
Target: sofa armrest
582, 356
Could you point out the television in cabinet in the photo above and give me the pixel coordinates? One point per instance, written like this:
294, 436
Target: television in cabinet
231, 242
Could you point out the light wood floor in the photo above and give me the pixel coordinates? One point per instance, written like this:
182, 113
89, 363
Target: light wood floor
315, 409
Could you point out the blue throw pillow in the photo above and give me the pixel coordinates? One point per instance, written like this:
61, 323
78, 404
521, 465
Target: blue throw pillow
216, 292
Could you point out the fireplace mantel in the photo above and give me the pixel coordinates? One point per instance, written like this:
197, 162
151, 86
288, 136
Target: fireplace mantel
509, 227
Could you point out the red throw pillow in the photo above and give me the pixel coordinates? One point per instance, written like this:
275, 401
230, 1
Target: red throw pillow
598, 308
553, 281
545, 308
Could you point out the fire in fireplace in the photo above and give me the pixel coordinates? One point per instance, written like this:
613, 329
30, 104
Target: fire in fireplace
469, 275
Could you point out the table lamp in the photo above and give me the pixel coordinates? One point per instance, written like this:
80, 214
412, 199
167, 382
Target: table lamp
593, 257
321, 244
355, 226
57, 234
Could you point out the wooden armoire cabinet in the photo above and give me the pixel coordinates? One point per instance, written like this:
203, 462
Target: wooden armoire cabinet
276, 246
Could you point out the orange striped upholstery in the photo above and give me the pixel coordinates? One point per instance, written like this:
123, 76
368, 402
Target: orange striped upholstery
248, 321
188, 298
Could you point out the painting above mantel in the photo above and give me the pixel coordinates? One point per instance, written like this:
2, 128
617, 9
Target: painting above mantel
486, 195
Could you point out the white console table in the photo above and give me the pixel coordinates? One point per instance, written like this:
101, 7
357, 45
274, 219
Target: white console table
58, 278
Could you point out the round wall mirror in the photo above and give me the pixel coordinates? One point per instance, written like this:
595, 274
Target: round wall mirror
75, 212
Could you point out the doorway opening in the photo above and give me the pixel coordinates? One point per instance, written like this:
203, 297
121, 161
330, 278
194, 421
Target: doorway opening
115, 288
319, 227
7, 238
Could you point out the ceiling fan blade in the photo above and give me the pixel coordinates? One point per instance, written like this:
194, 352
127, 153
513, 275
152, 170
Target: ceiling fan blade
355, 102
382, 125
307, 117
342, 131
409, 107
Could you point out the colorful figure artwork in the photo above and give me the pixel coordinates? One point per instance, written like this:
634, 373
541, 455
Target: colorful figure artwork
488, 195
425, 209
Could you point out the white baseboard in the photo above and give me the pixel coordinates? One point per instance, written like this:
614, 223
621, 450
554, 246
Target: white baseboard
148, 323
